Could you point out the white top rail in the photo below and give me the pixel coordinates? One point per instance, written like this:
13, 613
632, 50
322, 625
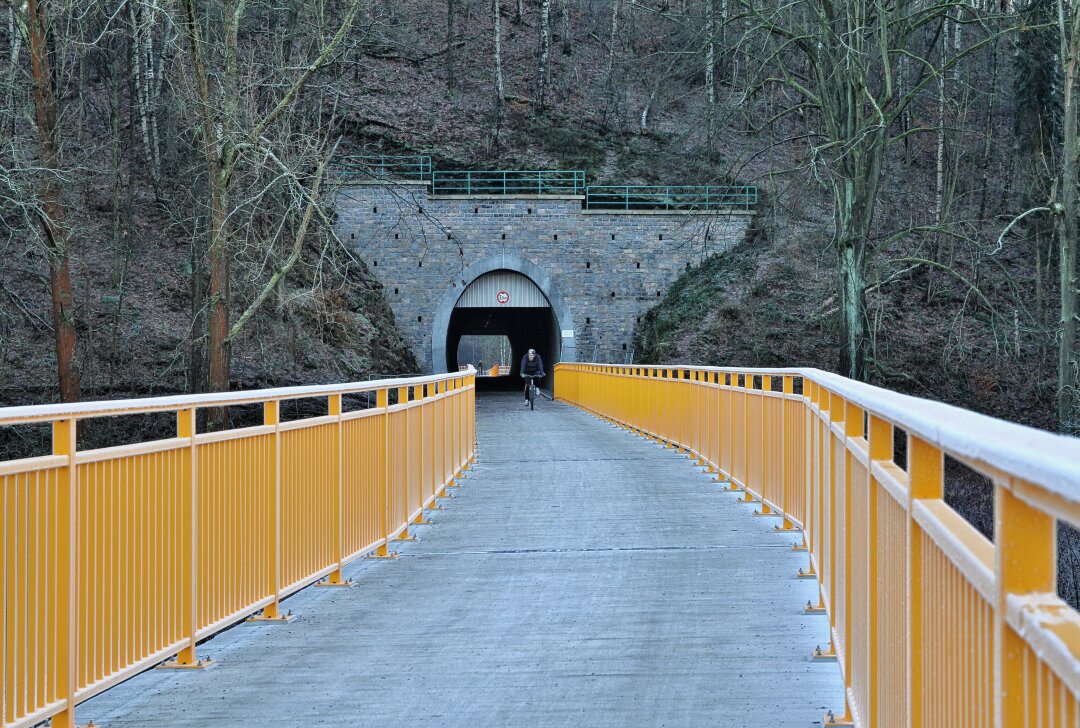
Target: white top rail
1036, 456
112, 408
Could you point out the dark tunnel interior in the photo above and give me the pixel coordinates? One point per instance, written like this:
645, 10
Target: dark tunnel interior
526, 328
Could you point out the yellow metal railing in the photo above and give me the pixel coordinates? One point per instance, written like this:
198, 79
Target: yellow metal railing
113, 560
932, 624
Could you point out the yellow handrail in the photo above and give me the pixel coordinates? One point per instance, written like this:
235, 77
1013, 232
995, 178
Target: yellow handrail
931, 623
116, 559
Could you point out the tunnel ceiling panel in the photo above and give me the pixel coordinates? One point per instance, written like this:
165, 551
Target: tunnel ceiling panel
502, 289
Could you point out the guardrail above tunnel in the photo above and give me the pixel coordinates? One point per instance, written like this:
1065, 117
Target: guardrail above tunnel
471, 183
684, 198
550, 183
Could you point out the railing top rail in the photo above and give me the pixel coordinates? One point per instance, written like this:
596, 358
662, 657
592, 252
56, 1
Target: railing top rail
672, 187
1047, 459
146, 405
574, 172
416, 157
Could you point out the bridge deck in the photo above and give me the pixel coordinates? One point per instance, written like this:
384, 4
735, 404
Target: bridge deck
581, 577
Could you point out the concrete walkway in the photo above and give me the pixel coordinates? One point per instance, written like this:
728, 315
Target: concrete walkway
581, 577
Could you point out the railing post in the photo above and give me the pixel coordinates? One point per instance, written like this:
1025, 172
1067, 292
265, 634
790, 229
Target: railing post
67, 572
853, 428
748, 387
766, 386
382, 401
881, 450
1025, 561
403, 398
787, 388
421, 486
272, 612
189, 576
335, 578
925, 472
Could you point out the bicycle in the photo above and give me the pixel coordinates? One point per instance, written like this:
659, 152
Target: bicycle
532, 389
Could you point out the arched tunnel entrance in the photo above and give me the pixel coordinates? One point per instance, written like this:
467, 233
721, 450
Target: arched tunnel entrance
503, 303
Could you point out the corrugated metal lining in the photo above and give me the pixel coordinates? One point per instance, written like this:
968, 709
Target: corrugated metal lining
502, 289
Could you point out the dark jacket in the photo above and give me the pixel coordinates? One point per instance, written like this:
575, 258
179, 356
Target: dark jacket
534, 368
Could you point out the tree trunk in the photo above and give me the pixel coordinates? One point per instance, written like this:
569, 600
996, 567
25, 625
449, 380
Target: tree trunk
52, 215
609, 80
545, 55
567, 42
499, 95
611, 42
451, 11
217, 298
710, 51
851, 249
1068, 395
12, 71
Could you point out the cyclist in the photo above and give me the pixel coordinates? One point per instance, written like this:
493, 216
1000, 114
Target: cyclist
531, 366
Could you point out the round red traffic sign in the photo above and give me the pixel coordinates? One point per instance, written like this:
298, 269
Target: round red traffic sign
503, 297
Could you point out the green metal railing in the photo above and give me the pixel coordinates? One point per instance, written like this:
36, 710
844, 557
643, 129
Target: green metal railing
666, 197
508, 182
383, 167
469, 183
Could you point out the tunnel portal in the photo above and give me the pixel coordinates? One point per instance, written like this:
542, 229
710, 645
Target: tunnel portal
505, 303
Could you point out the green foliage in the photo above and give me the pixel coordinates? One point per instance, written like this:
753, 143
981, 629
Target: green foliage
575, 146
698, 295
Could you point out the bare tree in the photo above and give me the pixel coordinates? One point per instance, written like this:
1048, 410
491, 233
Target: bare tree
567, 41
148, 76
52, 213
1066, 209
451, 12
543, 67
851, 89
710, 51
499, 95
227, 135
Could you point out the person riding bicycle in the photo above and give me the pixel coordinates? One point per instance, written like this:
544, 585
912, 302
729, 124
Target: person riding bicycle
531, 366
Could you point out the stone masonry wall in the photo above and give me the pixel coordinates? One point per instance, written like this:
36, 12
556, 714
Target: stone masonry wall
608, 268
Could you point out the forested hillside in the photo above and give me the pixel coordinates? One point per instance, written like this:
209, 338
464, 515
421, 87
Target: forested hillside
166, 220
